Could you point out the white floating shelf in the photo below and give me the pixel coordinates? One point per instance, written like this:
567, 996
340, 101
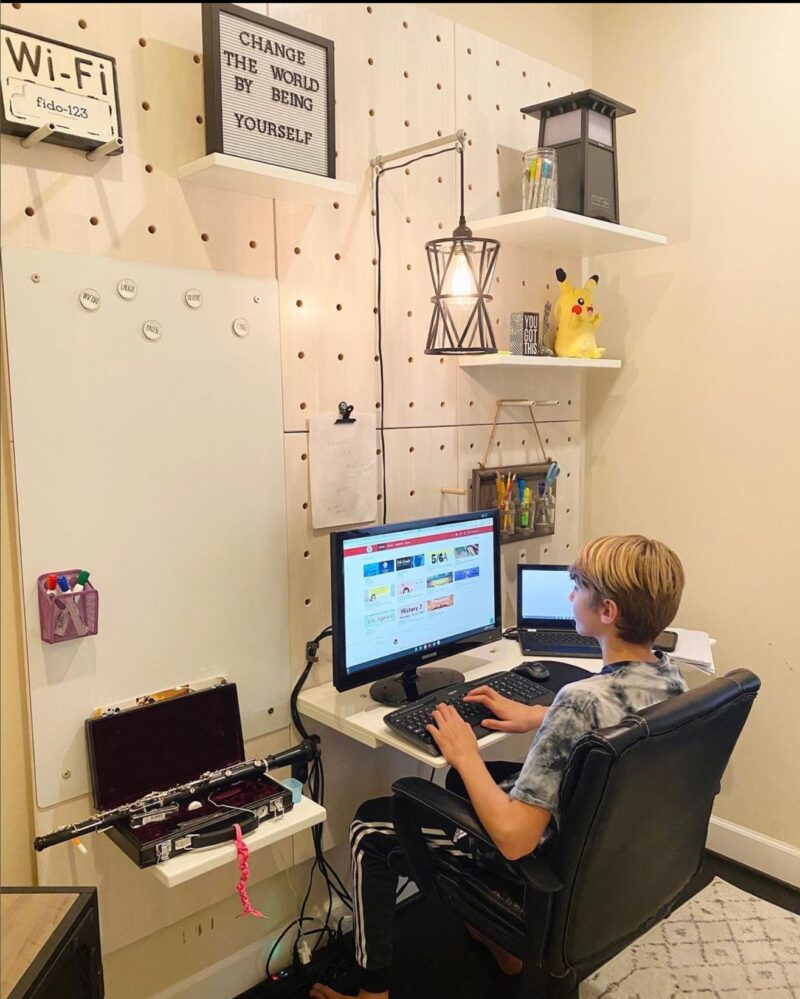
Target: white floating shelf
565, 232
515, 361
191, 865
233, 173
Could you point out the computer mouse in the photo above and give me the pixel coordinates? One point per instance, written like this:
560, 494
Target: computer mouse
535, 670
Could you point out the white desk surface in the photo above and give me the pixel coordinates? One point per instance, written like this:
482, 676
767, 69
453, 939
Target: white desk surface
354, 713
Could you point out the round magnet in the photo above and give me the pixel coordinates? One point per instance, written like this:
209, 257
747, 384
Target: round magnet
241, 327
151, 329
126, 289
193, 298
90, 299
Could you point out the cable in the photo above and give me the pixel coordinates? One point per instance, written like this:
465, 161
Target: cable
316, 787
379, 171
285, 930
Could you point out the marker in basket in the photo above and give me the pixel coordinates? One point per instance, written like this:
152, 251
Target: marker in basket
70, 611
80, 584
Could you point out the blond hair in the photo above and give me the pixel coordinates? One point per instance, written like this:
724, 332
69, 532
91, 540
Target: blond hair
643, 577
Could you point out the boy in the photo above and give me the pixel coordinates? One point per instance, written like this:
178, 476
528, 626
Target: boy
627, 590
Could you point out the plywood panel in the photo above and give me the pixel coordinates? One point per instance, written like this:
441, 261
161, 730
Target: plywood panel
410, 68
132, 206
493, 81
394, 84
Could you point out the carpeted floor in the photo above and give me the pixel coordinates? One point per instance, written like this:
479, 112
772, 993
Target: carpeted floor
737, 936
721, 944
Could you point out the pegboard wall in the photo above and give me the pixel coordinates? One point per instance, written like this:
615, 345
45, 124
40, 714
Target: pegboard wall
403, 76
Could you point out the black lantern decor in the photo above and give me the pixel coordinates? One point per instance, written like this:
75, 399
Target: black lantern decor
462, 270
582, 128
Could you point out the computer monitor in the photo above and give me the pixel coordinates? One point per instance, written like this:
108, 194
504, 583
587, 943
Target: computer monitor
408, 594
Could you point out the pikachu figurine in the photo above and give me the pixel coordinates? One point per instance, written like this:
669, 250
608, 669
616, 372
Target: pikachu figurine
576, 318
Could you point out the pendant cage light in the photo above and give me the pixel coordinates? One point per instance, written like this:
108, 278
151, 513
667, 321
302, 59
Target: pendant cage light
462, 270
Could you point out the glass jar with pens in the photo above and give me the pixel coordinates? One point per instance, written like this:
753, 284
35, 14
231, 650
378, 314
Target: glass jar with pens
505, 502
539, 179
524, 514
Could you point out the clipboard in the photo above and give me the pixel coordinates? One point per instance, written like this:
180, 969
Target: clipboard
343, 469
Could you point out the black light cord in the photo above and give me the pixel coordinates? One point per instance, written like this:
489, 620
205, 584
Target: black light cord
316, 787
378, 174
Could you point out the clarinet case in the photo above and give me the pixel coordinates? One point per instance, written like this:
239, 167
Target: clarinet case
159, 746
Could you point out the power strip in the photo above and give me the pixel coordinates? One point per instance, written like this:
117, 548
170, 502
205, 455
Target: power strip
333, 965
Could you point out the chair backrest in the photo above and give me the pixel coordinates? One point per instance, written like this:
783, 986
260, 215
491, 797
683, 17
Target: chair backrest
635, 806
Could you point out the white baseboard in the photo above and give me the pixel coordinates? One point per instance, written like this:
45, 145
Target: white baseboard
769, 856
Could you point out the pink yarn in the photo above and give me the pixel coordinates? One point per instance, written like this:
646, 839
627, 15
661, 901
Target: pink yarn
243, 853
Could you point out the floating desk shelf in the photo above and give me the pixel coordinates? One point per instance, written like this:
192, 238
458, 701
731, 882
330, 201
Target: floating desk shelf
516, 361
233, 173
565, 232
191, 865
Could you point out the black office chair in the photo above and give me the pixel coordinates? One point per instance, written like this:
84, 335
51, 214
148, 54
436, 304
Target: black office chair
635, 804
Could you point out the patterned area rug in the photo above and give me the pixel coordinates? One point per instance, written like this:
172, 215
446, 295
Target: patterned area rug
722, 944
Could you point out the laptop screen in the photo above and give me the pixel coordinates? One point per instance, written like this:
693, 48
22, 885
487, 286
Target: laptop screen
543, 597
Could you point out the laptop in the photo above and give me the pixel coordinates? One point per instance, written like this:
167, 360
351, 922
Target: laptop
545, 625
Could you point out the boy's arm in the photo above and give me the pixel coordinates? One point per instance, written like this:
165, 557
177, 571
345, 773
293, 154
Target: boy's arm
515, 827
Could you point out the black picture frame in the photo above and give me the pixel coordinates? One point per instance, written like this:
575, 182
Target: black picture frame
11, 127
212, 73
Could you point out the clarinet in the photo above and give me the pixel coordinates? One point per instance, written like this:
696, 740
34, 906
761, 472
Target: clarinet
158, 801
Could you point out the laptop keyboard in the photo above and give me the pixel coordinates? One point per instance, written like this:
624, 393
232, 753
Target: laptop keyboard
410, 721
559, 642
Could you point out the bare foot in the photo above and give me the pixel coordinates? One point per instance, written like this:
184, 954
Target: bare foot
508, 964
319, 991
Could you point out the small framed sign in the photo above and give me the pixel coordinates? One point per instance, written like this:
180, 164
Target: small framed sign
269, 91
48, 82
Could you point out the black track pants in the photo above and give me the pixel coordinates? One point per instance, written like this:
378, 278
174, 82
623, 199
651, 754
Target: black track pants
377, 861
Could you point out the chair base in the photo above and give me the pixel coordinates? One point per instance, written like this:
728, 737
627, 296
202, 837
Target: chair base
547, 987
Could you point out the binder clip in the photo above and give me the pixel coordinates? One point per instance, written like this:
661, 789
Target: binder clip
345, 412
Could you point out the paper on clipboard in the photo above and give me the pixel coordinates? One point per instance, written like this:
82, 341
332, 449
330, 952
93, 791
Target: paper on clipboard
343, 470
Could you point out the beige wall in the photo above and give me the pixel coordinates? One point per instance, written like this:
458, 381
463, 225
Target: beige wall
556, 33
696, 440
16, 816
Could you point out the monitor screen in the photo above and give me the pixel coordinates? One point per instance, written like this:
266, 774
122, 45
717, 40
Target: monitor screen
408, 594
543, 596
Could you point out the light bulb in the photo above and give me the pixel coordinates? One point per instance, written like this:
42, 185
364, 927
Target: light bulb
460, 282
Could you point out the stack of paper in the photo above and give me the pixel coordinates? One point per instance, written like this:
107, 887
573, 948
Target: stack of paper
694, 648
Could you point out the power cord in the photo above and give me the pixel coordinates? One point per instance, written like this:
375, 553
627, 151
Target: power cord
379, 287
316, 787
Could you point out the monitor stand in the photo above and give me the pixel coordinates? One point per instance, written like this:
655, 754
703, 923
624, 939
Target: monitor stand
414, 684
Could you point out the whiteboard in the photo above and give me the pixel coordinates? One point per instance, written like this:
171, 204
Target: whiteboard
156, 464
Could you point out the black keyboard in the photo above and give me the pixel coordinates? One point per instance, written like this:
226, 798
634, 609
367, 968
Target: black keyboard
410, 720
559, 643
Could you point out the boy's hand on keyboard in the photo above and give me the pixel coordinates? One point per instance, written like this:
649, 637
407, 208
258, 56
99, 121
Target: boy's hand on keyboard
509, 716
453, 736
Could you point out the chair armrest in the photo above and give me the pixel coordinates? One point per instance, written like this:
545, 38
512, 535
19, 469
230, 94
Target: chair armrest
451, 807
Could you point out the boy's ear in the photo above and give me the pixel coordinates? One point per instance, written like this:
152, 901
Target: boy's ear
609, 611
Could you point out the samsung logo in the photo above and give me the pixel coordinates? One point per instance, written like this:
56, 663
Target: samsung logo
429, 655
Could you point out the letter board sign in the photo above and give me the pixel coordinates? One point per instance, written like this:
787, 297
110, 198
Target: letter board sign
268, 90
48, 82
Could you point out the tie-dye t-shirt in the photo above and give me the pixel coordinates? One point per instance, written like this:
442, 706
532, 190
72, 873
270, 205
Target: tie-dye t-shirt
597, 702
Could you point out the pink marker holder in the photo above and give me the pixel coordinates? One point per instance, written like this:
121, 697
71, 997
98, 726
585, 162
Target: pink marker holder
67, 615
